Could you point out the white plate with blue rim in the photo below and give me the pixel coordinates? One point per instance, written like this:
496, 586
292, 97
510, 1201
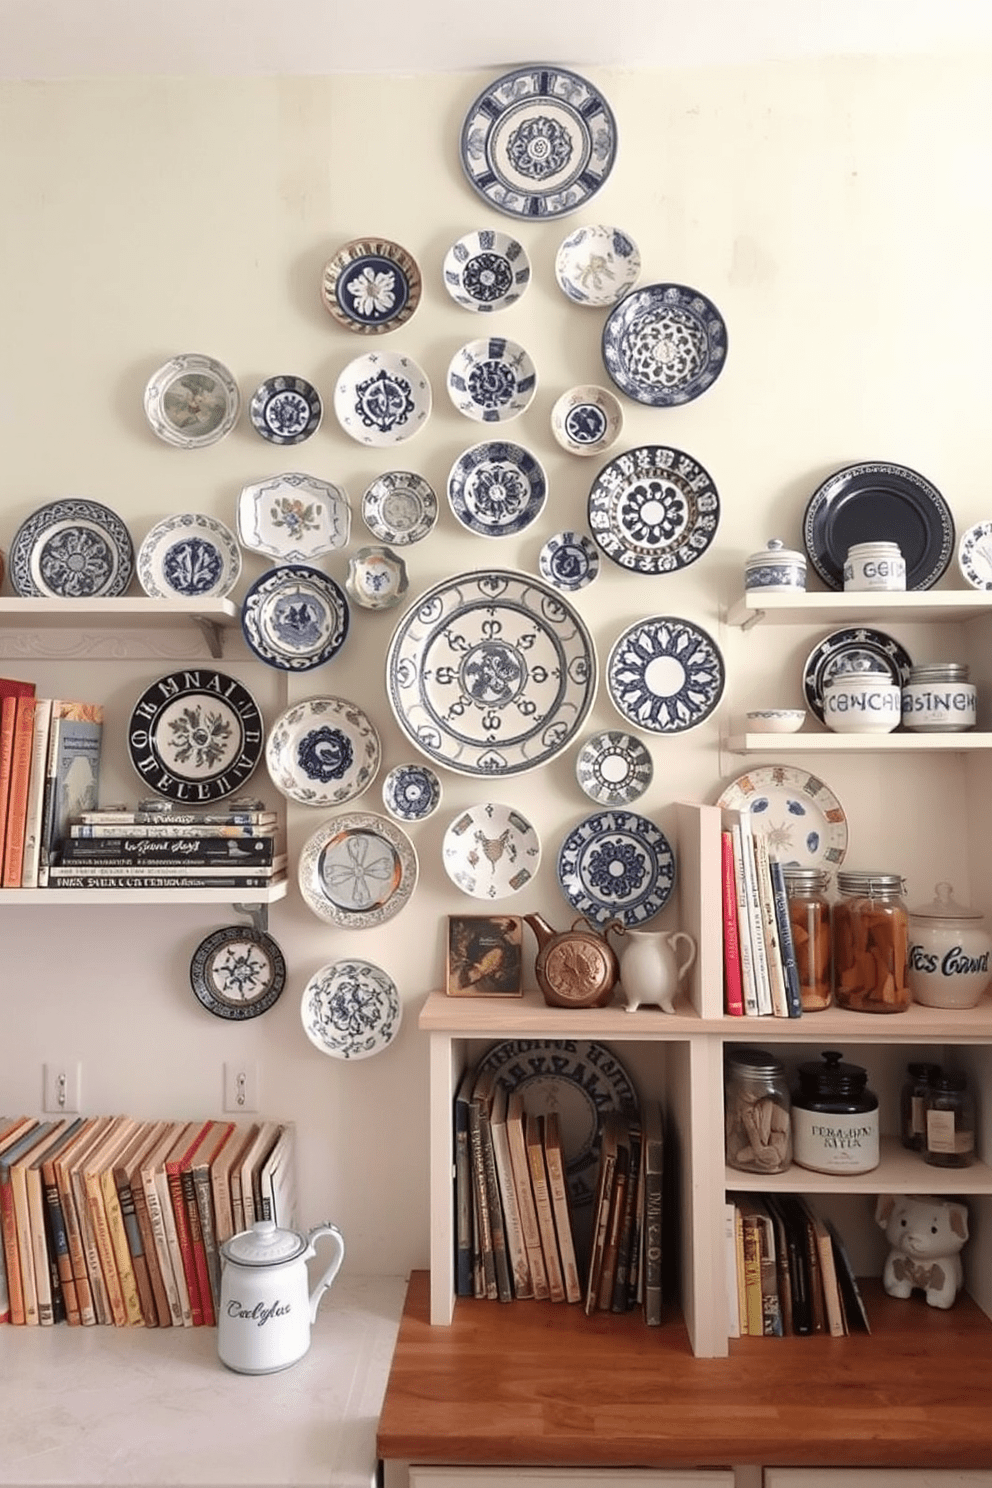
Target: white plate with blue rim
382, 398
616, 865
322, 752
411, 792
295, 618
597, 265
497, 488
285, 409
569, 560
665, 675
486, 271
491, 851
491, 380
614, 768
665, 344
189, 556
801, 817
192, 401
351, 1009
400, 507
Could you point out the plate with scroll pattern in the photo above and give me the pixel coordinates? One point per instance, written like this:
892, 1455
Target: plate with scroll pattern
192, 401
382, 398
803, 820
491, 673
665, 675
357, 870
486, 271
616, 865
400, 507
190, 556
491, 380
665, 344
322, 752
71, 549
371, 285
653, 509
351, 1009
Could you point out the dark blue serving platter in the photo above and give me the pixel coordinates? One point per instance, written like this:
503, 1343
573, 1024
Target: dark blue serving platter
879, 503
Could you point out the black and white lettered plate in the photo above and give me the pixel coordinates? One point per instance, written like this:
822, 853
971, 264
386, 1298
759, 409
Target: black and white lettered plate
195, 736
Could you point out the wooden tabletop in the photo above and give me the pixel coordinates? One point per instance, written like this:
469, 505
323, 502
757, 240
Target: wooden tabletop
541, 1384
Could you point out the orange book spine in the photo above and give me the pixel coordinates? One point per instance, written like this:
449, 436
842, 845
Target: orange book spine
21, 750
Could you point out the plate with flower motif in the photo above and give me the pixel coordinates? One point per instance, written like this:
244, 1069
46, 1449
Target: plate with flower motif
71, 549
351, 1009
597, 266
587, 420
190, 556
653, 509
802, 818
491, 380
400, 507
382, 398
616, 865
238, 972
322, 752
192, 401
664, 345
357, 870
665, 675
195, 736
614, 768
569, 560
371, 285
293, 517
491, 851
497, 489
974, 555
486, 271
491, 673
294, 617
538, 142
285, 410
411, 792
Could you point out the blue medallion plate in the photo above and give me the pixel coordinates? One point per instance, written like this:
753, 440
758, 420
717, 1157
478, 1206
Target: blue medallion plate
614, 768
491, 380
486, 271
190, 556
322, 752
382, 398
538, 142
411, 792
371, 285
295, 617
569, 560
653, 509
879, 503
71, 549
238, 972
491, 673
597, 266
497, 489
665, 675
616, 865
285, 410
357, 870
664, 345
400, 507
587, 420
351, 1009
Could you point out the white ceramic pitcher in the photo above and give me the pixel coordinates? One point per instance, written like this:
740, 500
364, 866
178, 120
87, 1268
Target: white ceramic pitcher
650, 970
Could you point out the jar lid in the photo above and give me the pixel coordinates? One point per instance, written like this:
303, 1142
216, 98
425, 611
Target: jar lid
950, 1080
754, 1061
833, 1076
868, 881
869, 676
265, 1244
939, 671
778, 552
923, 1069
945, 907
803, 878
865, 549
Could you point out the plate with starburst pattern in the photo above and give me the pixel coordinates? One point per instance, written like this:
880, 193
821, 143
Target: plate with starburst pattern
665, 675
616, 865
237, 972
497, 488
803, 820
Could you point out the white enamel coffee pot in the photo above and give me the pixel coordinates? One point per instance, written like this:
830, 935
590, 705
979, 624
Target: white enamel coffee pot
266, 1305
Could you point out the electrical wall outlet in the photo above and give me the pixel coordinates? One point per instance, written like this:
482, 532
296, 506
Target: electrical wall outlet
240, 1086
62, 1079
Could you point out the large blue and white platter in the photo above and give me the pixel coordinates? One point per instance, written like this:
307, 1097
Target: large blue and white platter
538, 142
357, 870
653, 509
371, 285
351, 1009
382, 398
322, 752
665, 344
486, 271
665, 675
71, 549
295, 618
616, 865
189, 556
497, 488
491, 673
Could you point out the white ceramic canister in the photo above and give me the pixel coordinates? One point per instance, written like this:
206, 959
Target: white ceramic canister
874, 565
776, 570
950, 953
861, 703
939, 699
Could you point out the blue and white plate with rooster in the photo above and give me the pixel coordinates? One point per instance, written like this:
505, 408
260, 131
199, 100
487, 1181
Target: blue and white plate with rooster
801, 817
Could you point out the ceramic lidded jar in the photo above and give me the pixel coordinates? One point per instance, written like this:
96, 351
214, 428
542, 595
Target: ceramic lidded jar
862, 702
776, 570
950, 952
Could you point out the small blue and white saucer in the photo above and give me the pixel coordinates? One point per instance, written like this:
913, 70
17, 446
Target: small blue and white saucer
382, 398
665, 675
411, 792
285, 410
587, 420
491, 380
569, 560
486, 271
614, 768
597, 266
400, 507
497, 488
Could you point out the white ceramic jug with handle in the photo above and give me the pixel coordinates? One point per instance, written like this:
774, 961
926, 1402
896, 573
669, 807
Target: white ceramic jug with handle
650, 970
266, 1305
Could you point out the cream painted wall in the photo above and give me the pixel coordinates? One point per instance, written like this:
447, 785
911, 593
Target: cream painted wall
836, 212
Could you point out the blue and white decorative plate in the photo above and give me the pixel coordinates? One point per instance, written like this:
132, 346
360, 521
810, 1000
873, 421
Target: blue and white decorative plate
653, 509
400, 507
853, 649
294, 517
597, 266
975, 555
285, 410
665, 675
322, 752
491, 673
195, 736
192, 401
616, 865
569, 560
351, 1009
664, 345
295, 617
357, 870
491, 380
486, 271
497, 488
377, 578
71, 549
190, 556
371, 285
491, 851
801, 817
382, 398
411, 792
538, 142
238, 972
614, 768
875, 502
587, 420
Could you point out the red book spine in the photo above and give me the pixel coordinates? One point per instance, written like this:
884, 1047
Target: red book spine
732, 984
185, 1241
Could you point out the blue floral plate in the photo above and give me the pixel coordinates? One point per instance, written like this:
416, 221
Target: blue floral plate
616, 865
322, 752
371, 285
664, 345
71, 549
189, 556
653, 509
295, 617
497, 489
351, 1009
491, 380
665, 675
285, 410
411, 792
486, 271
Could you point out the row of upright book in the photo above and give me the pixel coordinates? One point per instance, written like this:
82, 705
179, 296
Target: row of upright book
112, 1220
788, 1271
519, 1235
761, 975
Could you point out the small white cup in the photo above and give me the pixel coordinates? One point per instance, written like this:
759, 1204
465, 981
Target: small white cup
874, 565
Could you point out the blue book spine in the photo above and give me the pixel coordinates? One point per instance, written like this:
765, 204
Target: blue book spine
790, 965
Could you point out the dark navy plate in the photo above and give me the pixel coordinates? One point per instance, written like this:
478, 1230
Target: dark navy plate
879, 503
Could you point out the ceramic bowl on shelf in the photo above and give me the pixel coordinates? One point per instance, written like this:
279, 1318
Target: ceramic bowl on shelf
775, 720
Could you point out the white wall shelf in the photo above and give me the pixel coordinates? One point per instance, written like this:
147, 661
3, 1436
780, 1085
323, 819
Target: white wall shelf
804, 608
176, 895
211, 617
854, 743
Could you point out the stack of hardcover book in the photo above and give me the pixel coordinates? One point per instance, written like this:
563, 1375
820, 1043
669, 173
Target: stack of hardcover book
117, 848
107, 1219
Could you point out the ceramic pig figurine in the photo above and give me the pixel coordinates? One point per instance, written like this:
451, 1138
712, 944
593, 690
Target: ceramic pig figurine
926, 1235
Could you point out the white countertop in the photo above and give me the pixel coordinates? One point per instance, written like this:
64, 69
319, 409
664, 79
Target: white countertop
137, 1406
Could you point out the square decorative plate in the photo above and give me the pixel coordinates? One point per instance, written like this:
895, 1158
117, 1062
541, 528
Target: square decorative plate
294, 517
